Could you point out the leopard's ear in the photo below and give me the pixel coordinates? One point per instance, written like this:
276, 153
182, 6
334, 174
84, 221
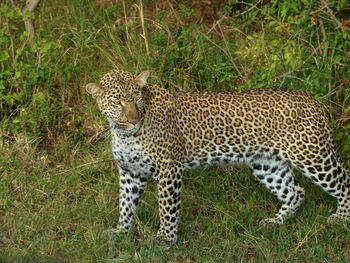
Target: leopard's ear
94, 89
141, 79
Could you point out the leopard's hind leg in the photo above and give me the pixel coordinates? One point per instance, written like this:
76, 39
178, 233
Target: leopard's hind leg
277, 176
330, 174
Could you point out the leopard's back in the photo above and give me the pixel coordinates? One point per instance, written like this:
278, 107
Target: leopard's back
227, 127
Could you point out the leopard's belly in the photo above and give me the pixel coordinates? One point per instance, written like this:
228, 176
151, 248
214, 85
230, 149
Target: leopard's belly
231, 155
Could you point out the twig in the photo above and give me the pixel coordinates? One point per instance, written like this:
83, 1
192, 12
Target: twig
288, 74
331, 13
13, 4
317, 11
224, 16
247, 10
229, 54
86, 164
216, 23
226, 53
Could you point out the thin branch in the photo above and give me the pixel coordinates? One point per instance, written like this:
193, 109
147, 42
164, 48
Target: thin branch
288, 74
317, 11
32, 5
13, 4
224, 16
216, 23
331, 13
251, 8
229, 54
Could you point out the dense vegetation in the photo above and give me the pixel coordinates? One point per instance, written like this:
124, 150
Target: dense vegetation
58, 188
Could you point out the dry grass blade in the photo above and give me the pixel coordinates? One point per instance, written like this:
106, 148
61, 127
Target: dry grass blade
85, 165
126, 22
144, 36
304, 240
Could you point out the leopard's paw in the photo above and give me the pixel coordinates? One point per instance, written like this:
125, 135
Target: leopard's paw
336, 218
112, 232
164, 241
271, 221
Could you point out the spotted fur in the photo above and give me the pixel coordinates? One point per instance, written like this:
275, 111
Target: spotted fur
159, 133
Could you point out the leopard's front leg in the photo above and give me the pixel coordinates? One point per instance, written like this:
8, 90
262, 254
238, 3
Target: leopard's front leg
169, 199
131, 186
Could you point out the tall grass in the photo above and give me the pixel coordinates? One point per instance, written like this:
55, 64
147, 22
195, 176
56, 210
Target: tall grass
59, 188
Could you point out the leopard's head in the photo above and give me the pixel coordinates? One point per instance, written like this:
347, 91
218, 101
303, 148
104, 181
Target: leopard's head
120, 98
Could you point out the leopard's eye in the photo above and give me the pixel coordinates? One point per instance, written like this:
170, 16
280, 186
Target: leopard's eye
114, 102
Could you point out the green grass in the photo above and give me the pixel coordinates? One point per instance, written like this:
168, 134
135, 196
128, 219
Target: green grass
58, 185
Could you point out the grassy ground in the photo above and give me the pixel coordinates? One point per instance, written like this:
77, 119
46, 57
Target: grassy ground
59, 188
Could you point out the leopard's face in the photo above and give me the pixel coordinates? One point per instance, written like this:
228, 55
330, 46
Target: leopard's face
120, 98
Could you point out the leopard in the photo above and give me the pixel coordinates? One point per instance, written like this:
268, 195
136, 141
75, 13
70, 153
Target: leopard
159, 134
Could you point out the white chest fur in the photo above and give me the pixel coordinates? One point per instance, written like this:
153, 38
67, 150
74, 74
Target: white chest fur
128, 153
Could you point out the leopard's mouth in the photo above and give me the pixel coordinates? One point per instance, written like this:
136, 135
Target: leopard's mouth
119, 126
126, 126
